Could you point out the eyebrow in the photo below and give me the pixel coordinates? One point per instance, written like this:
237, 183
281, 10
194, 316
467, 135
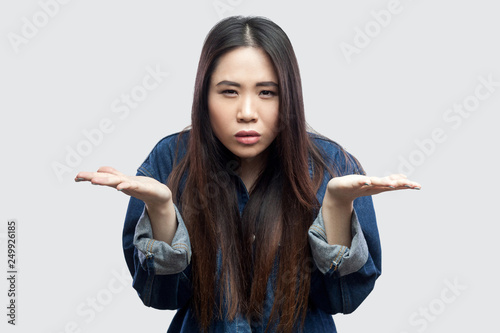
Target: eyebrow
259, 84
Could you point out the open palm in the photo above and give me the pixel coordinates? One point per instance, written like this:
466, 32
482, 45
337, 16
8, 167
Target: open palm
347, 188
143, 188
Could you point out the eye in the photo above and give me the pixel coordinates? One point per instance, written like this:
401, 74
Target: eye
267, 93
229, 92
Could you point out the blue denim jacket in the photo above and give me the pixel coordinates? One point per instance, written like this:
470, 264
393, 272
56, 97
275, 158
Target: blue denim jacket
341, 278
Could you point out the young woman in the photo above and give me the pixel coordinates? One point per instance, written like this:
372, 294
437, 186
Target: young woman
246, 222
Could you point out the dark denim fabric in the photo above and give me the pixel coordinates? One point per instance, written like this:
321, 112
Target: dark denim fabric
341, 279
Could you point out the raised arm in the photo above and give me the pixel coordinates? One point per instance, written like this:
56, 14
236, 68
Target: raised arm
156, 196
344, 237
340, 195
155, 240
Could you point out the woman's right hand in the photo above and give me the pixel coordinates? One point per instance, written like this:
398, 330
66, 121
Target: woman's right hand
156, 196
147, 189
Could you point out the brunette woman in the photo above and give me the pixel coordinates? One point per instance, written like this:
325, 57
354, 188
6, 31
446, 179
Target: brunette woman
247, 222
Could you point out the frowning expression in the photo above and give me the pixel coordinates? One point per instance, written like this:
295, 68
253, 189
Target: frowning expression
243, 102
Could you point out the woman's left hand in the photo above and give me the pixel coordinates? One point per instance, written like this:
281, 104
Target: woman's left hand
345, 189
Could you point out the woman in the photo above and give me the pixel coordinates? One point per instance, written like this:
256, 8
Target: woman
246, 222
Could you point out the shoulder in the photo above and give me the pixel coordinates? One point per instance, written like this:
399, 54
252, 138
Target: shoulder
335, 155
167, 152
171, 143
324, 144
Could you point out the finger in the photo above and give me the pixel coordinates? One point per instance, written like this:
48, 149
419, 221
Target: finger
107, 179
376, 185
414, 185
397, 176
84, 176
395, 181
99, 178
131, 185
404, 184
354, 181
383, 182
111, 170
137, 189
123, 186
364, 181
79, 178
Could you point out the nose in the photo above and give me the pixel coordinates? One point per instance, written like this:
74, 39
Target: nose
247, 110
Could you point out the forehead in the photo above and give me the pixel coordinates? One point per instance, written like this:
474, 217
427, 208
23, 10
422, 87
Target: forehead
245, 64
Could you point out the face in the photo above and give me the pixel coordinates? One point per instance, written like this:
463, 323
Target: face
243, 102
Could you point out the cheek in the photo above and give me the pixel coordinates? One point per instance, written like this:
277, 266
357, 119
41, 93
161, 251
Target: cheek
212, 111
271, 117
217, 118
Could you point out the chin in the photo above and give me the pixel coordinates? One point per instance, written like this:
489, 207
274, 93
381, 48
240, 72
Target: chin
246, 152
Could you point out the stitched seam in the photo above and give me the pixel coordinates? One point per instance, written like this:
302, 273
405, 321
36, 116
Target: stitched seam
149, 288
345, 296
319, 230
147, 246
180, 246
340, 254
145, 171
151, 246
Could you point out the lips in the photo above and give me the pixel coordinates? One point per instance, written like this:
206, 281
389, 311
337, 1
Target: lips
247, 133
247, 137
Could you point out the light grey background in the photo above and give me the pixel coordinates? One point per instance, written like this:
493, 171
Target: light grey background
382, 103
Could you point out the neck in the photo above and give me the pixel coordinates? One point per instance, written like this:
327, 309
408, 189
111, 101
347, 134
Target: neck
250, 169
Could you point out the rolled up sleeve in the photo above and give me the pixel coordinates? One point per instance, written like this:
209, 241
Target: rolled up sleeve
337, 258
167, 259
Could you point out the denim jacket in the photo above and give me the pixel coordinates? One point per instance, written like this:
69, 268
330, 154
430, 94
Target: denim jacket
341, 278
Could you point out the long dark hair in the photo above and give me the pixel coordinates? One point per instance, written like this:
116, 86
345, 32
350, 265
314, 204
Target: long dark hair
283, 199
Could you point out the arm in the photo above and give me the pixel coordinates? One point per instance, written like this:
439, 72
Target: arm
344, 276
340, 195
345, 243
338, 217
163, 220
161, 271
156, 196
155, 239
